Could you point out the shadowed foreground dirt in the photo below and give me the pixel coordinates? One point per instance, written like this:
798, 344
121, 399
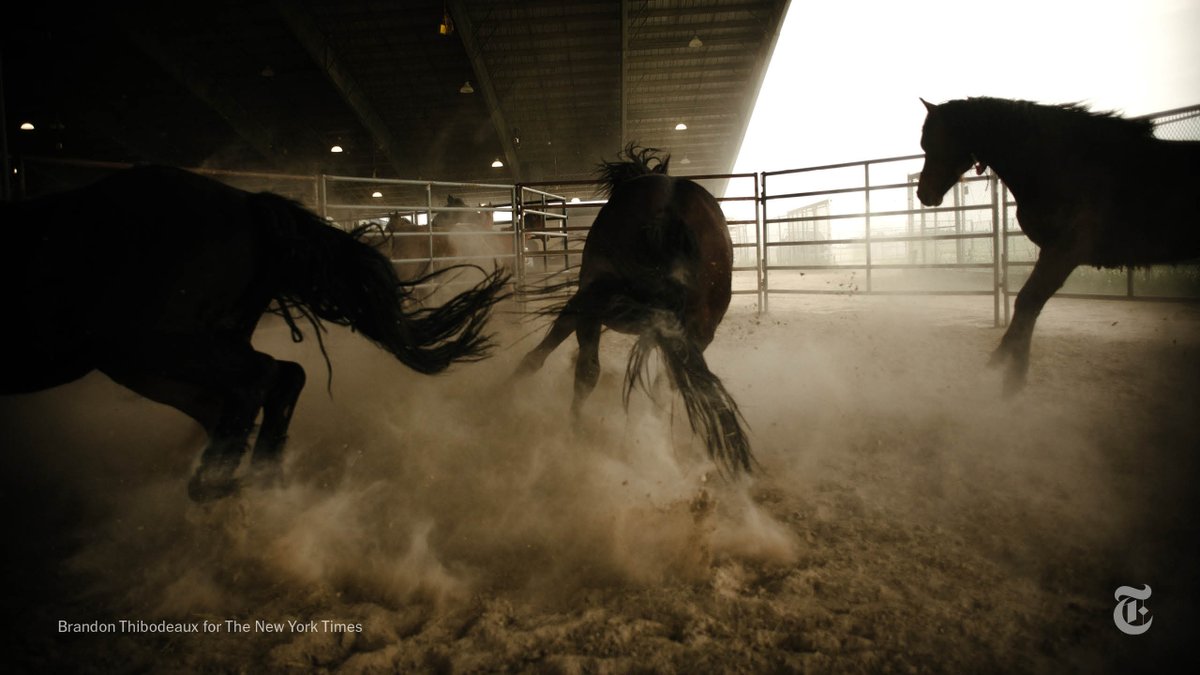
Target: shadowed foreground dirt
905, 518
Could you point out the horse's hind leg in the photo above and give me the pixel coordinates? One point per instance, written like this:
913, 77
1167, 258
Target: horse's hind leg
563, 326
277, 408
1053, 267
587, 363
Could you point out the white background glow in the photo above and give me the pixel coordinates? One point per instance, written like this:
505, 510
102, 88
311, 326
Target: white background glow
845, 77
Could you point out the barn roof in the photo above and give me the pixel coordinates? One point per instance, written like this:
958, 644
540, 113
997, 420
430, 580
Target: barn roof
555, 85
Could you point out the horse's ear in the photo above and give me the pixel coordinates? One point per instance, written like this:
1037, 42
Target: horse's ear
928, 106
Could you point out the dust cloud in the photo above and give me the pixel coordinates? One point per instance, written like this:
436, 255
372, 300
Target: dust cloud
904, 514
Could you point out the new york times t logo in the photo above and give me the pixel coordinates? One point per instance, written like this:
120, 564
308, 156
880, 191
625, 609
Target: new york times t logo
1130, 614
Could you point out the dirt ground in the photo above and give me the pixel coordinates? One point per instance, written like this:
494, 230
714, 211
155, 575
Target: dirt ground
905, 518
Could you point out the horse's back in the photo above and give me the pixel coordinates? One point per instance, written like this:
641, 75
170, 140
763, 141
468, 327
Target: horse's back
664, 240
655, 218
135, 250
1154, 200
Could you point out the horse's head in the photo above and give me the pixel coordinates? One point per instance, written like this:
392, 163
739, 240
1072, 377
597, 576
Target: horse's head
947, 157
460, 219
398, 223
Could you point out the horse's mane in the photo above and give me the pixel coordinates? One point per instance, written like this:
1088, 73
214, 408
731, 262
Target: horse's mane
1070, 123
637, 162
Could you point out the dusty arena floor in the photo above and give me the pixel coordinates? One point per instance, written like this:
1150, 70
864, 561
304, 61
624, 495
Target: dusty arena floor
905, 518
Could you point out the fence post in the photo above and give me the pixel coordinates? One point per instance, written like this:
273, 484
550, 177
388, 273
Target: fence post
760, 237
518, 223
322, 196
867, 216
1004, 249
998, 230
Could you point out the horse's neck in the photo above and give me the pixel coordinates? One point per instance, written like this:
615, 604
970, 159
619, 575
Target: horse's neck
1019, 155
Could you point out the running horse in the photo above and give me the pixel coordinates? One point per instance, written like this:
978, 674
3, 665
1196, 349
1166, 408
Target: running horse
1092, 188
157, 277
657, 263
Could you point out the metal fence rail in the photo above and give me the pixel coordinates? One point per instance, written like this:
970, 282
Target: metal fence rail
863, 218
847, 228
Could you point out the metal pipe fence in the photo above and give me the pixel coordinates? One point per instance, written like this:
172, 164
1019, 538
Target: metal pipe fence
823, 226
847, 228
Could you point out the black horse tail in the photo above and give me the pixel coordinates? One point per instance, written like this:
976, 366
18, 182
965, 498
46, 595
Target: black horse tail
712, 412
637, 161
332, 274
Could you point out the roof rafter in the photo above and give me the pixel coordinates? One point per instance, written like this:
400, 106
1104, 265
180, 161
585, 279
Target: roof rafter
207, 90
306, 30
466, 31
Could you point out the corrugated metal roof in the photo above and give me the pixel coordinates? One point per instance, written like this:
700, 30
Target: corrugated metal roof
270, 86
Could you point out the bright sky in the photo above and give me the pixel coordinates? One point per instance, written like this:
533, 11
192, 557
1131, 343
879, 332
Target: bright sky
844, 81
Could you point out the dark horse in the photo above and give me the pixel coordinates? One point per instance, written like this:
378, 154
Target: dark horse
657, 263
1091, 189
157, 277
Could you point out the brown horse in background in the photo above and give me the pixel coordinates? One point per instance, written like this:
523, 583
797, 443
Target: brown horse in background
657, 264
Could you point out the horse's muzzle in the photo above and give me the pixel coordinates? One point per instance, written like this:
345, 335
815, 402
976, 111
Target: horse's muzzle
928, 199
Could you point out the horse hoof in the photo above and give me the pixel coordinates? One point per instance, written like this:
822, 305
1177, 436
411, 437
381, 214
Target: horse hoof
267, 474
1013, 384
998, 357
202, 491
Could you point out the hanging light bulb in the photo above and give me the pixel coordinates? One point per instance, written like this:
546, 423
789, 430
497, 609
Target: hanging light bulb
496, 163
447, 25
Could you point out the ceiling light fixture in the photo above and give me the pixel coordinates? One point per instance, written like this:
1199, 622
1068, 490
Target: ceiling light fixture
685, 160
496, 163
336, 148
466, 88
681, 127
696, 42
27, 126
447, 25
377, 194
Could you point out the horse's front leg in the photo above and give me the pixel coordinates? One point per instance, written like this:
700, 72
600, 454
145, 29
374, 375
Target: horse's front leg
1053, 267
278, 406
243, 381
